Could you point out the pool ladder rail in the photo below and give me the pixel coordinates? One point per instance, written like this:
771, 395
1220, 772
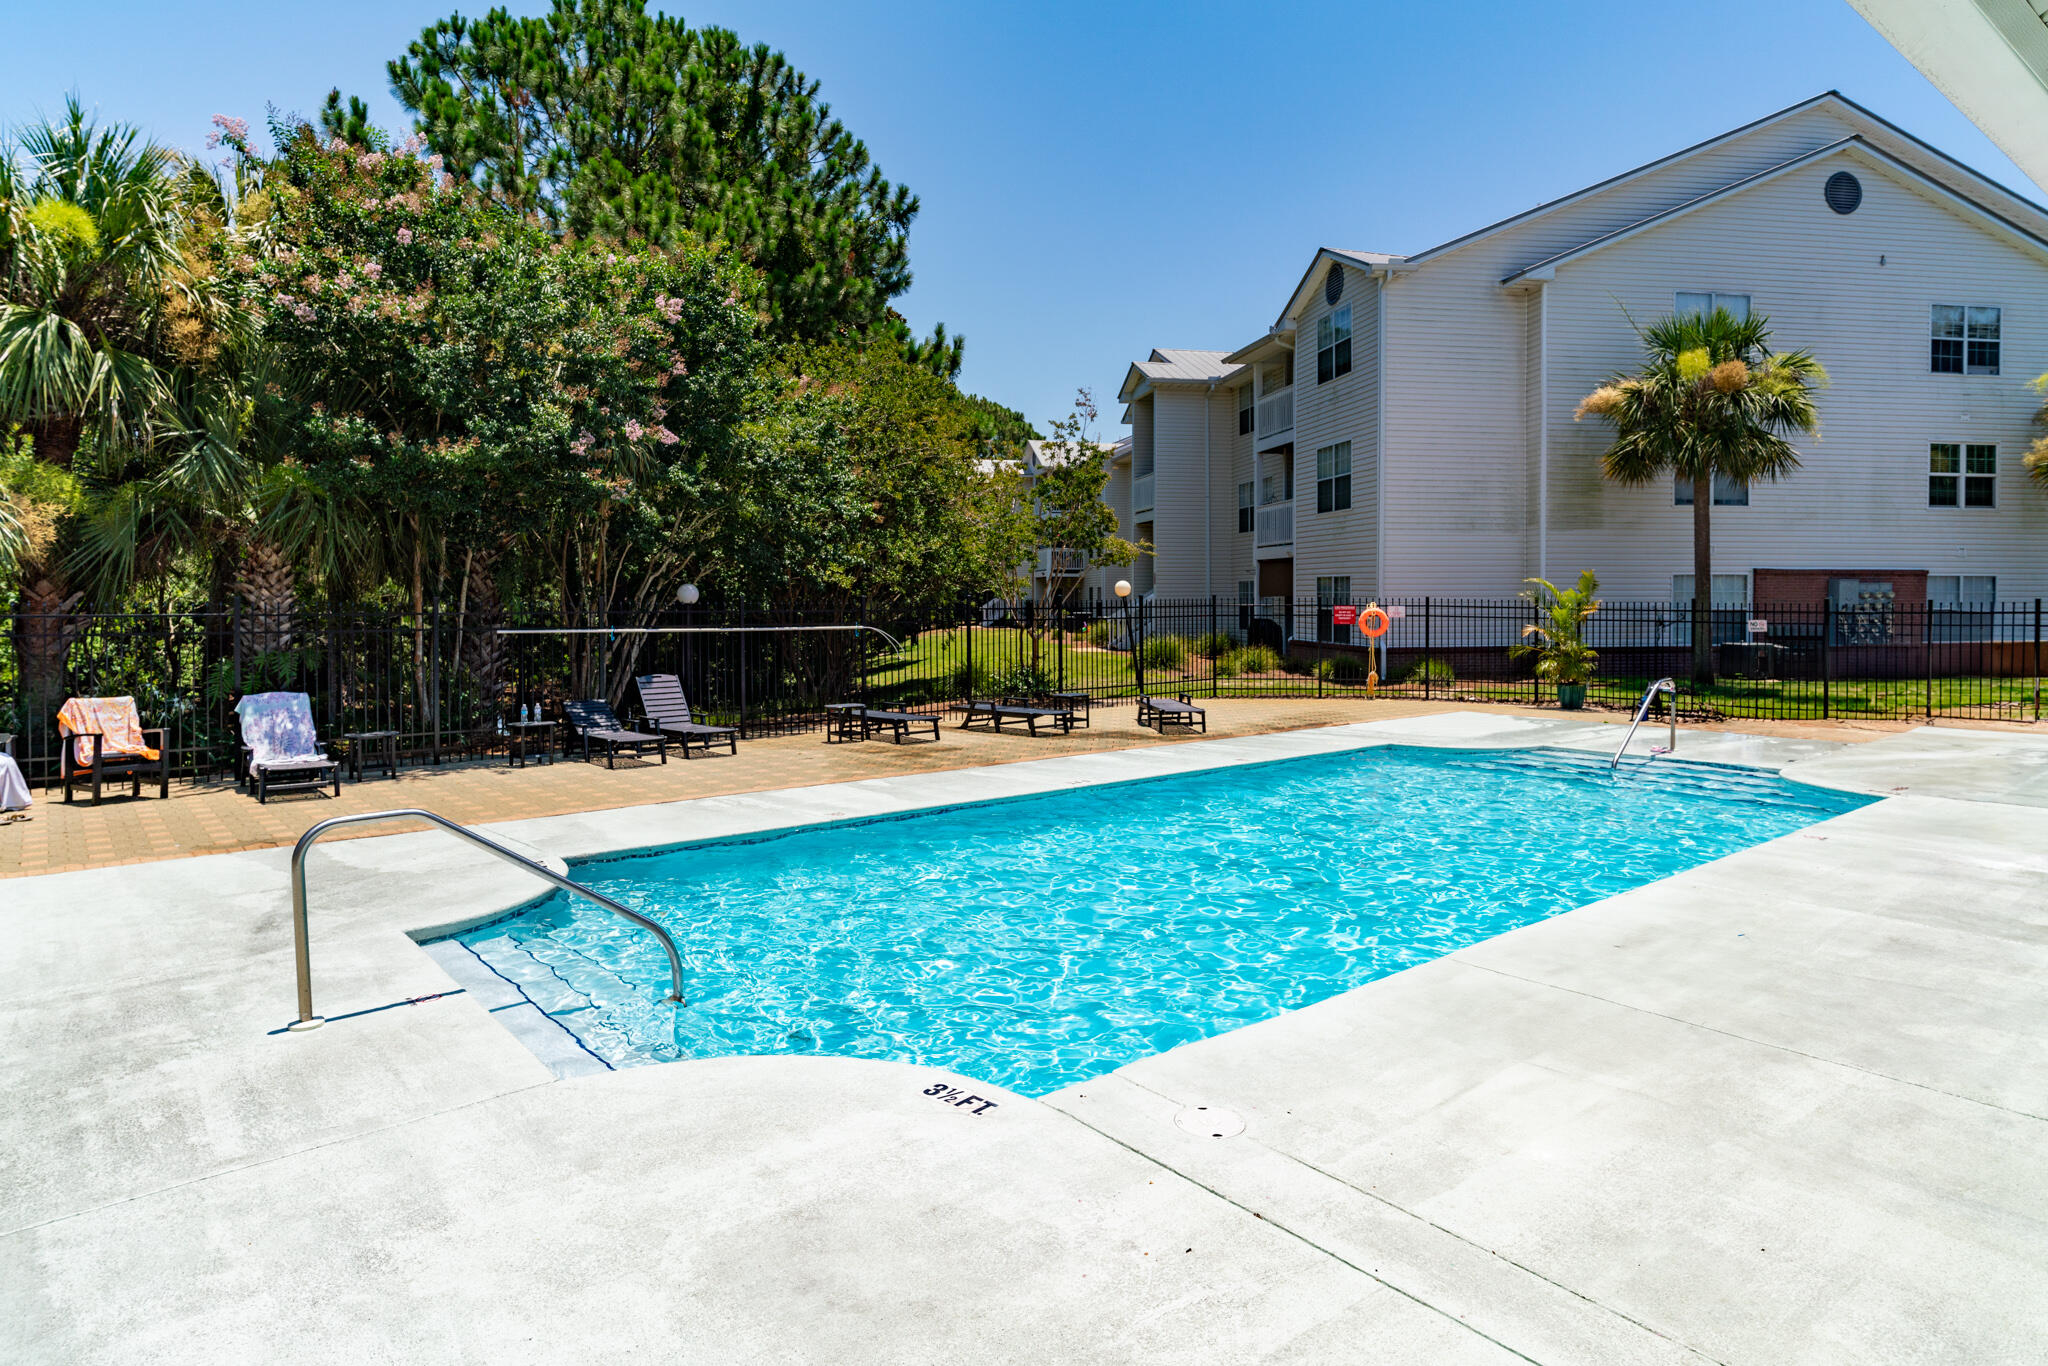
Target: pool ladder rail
1669, 689
308, 1020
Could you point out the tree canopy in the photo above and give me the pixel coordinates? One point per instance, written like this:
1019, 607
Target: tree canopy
608, 120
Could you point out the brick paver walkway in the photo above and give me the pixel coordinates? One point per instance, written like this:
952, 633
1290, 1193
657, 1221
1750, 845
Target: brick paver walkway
217, 818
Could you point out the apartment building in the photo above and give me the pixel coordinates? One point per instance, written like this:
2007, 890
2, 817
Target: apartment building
1405, 425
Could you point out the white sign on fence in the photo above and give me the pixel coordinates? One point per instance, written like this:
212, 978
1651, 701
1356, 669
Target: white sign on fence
1396, 612
1759, 627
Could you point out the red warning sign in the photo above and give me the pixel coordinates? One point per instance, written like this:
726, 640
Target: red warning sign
1343, 616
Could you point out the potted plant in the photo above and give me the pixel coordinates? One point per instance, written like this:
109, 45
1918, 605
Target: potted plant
1559, 637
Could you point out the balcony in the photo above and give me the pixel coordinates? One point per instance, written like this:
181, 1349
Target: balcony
1141, 492
1275, 414
1276, 524
1060, 564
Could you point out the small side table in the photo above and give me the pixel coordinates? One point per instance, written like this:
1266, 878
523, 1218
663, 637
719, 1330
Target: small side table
522, 734
1075, 702
386, 756
842, 722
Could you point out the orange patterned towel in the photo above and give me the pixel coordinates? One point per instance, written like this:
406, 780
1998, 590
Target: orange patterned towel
113, 717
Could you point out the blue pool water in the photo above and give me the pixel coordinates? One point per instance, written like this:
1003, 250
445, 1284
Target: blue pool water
1042, 941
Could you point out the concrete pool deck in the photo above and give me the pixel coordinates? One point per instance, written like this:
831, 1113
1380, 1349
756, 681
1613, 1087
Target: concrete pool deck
1790, 1106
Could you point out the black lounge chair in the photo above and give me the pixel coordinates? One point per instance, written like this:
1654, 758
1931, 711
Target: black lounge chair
668, 711
595, 723
995, 713
897, 723
1160, 712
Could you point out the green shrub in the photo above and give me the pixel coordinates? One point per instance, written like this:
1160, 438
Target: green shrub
971, 682
1226, 666
1324, 668
1431, 671
1214, 644
1165, 652
1256, 659
1022, 681
1104, 635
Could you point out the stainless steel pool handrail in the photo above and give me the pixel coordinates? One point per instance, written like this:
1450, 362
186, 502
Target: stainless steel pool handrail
1663, 685
308, 1020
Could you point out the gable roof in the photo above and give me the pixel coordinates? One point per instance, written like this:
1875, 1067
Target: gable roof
1984, 194
1175, 366
1541, 269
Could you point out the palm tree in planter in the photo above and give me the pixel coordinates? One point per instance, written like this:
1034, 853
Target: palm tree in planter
1562, 655
1711, 398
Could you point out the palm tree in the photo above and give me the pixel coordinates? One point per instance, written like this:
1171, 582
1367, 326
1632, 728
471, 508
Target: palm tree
88, 249
1711, 398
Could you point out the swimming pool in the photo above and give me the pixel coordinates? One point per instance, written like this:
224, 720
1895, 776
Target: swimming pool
1040, 941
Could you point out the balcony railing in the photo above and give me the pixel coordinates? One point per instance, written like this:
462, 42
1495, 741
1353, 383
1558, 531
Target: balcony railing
1276, 413
1060, 563
1141, 493
1276, 524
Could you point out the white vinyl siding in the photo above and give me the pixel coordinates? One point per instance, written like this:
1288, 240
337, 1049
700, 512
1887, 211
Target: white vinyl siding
1343, 543
1860, 498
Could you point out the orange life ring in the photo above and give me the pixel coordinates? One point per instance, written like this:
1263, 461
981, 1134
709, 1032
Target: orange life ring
1372, 622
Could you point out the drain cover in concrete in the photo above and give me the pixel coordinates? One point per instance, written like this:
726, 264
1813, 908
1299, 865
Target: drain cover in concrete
1206, 1121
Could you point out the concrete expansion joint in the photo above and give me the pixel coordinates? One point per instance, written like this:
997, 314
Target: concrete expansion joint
1786, 1049
1405, 1212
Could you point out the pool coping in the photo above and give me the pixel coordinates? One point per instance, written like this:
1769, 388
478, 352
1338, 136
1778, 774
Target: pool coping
1567, 1143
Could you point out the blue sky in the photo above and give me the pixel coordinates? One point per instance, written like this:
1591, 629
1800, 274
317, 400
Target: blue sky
1100, 179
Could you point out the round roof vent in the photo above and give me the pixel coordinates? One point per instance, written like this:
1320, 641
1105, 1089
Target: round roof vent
1844, 192
1333, 285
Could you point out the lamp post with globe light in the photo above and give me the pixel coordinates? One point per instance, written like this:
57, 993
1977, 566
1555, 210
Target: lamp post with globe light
1134, 633
687, 595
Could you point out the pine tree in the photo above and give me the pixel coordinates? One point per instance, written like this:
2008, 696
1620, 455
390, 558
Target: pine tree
607, 120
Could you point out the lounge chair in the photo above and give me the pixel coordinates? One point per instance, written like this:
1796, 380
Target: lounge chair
595, 723
995, 713
668, 711
1161, 712
281, 751
897, 723
118, 746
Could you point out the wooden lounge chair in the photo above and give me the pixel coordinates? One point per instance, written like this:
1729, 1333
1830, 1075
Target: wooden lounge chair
1161, 712
668, 711
595, 723
897, 723
118, 746
995, 713
281, 751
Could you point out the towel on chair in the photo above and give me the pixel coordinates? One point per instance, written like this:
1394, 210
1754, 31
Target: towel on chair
113, 717
278, 729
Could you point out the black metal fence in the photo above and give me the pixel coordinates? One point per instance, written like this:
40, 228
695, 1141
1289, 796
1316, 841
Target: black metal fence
446, 680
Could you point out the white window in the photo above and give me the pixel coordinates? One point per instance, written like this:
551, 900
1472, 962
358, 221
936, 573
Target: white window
1962, 474
1729, 492
1332, 590
1726, 611
1692, 302
1962, 607
1247, 591
1247, 497
1730, 590
1333, 477
1961, 590
1246, 405
1964, 340
1333, 345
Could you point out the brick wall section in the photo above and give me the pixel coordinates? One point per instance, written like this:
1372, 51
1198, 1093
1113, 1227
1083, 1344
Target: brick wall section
1809, 587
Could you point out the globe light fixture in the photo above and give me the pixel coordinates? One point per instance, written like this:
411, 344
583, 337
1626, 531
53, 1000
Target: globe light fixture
687, 595
1123, 588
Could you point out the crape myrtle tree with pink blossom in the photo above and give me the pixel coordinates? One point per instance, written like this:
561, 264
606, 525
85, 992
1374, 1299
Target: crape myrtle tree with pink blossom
478, 407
